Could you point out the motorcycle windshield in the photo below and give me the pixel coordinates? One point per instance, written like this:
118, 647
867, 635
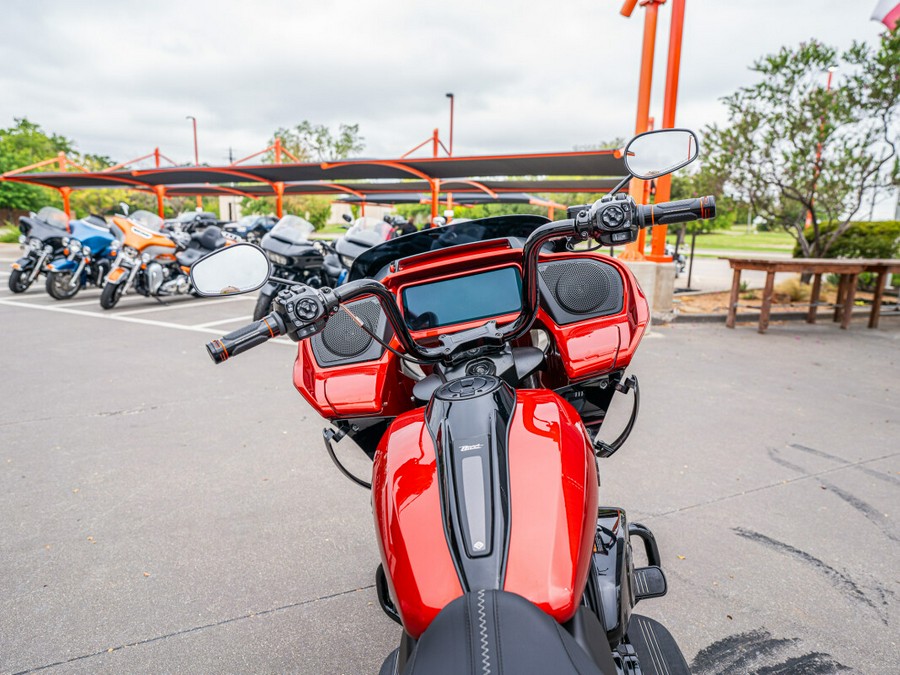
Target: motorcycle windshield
148, 220
369, 231
371, 262
53, 217
293, 230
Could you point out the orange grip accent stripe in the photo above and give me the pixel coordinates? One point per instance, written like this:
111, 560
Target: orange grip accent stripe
271, 332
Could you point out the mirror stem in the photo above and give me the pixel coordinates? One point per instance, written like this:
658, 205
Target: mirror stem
622, 183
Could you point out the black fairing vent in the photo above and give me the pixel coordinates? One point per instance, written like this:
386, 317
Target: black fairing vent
343, 342
575, 290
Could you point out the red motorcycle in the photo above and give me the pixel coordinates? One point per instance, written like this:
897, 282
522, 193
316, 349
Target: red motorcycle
474, 363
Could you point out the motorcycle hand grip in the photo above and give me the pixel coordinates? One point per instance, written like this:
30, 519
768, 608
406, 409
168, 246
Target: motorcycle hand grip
682, 211
245, 338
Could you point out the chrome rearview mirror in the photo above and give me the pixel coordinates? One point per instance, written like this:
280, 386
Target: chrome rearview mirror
656, 153
239, 268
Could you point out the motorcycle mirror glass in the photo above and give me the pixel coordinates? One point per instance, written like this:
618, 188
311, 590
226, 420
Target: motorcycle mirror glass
656, 153
239, 268
347, 217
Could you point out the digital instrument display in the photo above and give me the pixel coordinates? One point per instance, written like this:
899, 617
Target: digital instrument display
462, 299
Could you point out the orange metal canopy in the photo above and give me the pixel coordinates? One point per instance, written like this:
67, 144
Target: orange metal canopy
358, 177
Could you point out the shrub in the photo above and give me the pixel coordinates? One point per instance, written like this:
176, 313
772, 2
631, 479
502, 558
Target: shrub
794, 289
879, 239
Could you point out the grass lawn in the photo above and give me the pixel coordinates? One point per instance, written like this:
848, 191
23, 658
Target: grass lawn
737, 239
9, 234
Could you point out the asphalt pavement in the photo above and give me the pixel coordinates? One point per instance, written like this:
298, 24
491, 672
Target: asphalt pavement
162, 514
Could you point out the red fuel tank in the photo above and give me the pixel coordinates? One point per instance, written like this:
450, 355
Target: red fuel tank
551, 504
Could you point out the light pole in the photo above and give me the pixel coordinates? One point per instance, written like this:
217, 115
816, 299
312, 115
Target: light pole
450, 96
196, 156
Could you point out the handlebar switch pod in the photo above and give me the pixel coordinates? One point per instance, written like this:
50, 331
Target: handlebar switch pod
305, 310
613, 221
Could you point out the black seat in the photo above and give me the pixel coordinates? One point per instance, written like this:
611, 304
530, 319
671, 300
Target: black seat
495, 633
201, 243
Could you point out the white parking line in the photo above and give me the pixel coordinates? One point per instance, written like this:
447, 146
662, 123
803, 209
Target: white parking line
178, 305
126, 319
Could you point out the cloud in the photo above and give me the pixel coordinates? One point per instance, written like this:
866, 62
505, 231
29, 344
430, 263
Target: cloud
119, 78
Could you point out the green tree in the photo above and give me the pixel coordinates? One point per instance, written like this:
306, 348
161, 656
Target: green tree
793, 147
316, 143
22, 144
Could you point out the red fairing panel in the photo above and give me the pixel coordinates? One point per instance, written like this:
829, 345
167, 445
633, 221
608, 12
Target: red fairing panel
372, 388
553, 486
409, 525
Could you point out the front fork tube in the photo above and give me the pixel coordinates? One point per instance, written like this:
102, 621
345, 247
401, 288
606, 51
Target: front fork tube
76, 275
38, 266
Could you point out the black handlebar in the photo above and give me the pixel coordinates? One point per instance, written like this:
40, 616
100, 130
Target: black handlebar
245, 338
681, 211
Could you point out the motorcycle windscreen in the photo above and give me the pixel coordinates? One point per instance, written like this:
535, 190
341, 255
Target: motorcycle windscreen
370, 263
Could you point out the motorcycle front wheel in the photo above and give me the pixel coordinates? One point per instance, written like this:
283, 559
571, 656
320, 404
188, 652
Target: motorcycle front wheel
18, 281
60, 287
263, 306
111, 294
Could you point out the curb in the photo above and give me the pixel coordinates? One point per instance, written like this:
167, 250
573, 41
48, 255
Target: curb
774, 316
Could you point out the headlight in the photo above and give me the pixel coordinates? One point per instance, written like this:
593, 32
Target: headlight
65, 241
74, 245
279, 259
86, 250
130, 251
22, 238
35, 244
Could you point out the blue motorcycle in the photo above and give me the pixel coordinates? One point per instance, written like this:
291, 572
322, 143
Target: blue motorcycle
88, 252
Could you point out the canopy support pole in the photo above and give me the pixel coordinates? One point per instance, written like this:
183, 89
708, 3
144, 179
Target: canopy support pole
664, 184
635, 251
279, 197
160, 191
65, 192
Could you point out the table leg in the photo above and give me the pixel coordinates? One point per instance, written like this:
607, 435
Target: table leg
876, 302
766, 302
814, 299
839, 301
848, 300
732, 302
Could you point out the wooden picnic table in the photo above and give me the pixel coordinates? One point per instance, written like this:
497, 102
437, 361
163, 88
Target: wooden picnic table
848, 270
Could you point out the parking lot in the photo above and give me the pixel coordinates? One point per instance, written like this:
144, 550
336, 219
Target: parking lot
162, 514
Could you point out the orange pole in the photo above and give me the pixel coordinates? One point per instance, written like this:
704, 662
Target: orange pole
362, 209
636, 189
277, 150
65, 192
435, 189
156, 156
61, 158
664, 184
279, 198
160, 191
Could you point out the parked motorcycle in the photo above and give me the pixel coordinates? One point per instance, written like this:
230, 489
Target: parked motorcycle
42, 241
252, 228
296, 258
86, 258
495, 554
151, 263
679, 260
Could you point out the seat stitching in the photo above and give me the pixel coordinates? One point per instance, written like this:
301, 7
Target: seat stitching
483, 632
498, 634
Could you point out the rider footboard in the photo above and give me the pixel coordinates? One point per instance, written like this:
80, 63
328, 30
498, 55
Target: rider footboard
650, 644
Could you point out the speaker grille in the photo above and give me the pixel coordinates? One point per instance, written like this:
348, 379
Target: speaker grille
342, 341
581, 289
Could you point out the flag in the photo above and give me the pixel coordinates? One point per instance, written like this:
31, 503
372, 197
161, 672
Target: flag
887, 12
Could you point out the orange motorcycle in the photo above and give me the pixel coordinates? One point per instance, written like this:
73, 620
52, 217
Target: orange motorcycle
151, 263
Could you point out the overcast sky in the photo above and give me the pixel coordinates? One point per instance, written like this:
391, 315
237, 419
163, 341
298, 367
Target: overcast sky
120, 76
